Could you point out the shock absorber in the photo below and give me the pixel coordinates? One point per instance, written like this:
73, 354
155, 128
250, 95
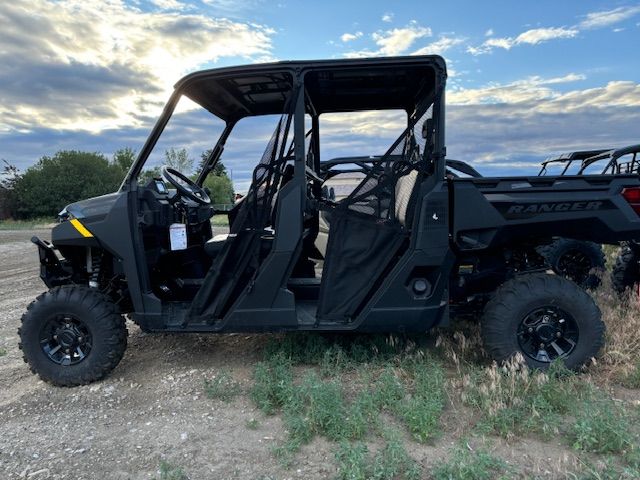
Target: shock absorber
94, 261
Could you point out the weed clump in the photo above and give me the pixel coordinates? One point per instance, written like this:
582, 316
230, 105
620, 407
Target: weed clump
514, 400
222, 387
620, 359
466, 464
171, 472
390, 462
273, 384
601, 427
410, 388
421, 412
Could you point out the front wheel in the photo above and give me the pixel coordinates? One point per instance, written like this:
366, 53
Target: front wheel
72, 335
545, 318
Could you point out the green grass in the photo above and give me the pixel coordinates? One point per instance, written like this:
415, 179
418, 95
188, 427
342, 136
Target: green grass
349, 389
273, 384
319, 407
222, 387
465, 464
632, 380
318, 402
560, 404
388, 390
422, 411
601, 427
171, 472
339, 352
391, 462
513, 400
3, 352
220, 221
26, 224
607, 469
353, 461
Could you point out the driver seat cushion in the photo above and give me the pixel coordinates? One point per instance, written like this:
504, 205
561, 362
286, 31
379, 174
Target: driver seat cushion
213, 246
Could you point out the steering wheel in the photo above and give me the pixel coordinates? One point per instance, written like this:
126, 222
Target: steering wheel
187, 188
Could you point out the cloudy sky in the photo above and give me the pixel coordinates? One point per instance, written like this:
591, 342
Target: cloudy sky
526, 79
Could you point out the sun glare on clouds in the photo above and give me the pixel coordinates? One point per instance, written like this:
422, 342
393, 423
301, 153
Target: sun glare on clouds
83, 42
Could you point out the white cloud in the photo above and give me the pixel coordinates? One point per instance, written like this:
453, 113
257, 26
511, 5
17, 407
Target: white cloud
609, 17
348, 37
505, 128
530, 37
505, 43
399, 40
531, 89
393, 42
95, 64
440, 46
511, 128
387, 17
169, 4
539, 35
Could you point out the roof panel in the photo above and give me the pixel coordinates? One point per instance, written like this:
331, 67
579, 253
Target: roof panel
332, 85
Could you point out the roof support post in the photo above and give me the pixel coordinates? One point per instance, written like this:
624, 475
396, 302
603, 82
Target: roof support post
299, 138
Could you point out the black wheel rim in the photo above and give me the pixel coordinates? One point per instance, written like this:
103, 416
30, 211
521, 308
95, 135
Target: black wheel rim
575, 265
548, 333
66, 340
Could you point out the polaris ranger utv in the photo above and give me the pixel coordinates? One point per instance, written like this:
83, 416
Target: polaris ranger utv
578, 260
408, 248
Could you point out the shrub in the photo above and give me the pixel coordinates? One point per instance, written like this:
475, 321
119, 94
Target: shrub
67, 177
222, 387
465, 464
273, 383
601, 427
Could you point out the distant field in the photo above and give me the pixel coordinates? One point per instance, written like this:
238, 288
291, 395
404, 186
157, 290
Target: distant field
26, 224
38, 223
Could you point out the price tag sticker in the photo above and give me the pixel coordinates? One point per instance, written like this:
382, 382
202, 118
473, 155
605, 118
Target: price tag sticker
178, 236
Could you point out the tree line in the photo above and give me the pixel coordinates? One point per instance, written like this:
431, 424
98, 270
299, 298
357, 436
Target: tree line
68, 176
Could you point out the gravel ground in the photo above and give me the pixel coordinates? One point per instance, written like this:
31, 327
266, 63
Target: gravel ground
151, 408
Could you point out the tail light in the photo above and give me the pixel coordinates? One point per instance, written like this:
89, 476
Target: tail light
632, 196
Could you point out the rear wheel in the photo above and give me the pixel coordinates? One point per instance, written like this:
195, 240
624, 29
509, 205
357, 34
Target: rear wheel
72, 335
544, 318
626, 271
582, 262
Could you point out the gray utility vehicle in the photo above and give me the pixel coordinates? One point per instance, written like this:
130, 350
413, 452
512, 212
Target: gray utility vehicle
407, 249
578, 260
626, 160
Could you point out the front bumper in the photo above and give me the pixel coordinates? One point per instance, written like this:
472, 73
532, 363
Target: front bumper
52, 272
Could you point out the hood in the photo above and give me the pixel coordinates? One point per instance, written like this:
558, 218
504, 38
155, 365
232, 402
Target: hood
95, 208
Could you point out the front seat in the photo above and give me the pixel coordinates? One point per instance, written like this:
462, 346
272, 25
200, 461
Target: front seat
213, 246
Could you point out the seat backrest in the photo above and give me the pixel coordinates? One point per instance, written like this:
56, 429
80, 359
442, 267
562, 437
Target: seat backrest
404, 189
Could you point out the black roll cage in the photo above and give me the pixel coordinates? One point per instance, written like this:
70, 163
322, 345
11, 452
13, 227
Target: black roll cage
298, 71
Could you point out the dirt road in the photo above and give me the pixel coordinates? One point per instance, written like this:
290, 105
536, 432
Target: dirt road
151, 408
